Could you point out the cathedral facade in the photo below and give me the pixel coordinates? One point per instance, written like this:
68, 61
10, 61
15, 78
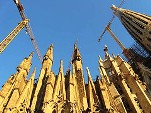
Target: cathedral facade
118, 90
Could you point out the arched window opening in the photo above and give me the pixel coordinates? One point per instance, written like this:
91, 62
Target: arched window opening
54, 111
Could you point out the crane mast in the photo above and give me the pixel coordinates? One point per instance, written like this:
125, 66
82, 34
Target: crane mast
12, 35
128, 53
110, 22
115, 38
28, 28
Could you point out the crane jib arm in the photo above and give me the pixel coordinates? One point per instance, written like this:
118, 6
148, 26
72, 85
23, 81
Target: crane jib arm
12, 35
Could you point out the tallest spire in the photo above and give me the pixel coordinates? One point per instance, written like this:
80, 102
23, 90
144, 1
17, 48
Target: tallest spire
137, 24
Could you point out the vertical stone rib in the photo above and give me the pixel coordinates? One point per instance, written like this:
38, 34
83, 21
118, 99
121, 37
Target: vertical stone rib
59, 90
92, 95
48, 93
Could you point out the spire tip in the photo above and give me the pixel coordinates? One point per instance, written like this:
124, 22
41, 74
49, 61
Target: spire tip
113, 7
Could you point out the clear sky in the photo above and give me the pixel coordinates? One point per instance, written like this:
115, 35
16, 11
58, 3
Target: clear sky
62, 22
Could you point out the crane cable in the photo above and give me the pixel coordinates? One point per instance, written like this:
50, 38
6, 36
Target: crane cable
31, 35
28, 28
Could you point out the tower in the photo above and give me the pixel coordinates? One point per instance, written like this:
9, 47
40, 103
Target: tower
117, 90
139, 27
120, 84
137, 24
78, 73
45, 74
16, 93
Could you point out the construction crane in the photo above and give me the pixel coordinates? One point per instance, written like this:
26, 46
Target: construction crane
131, 54
126, 52
12, 35
28, 28
115, 38
110, 22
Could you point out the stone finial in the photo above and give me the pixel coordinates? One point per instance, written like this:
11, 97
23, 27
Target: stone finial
88, 72
31, 55
89, 75
113, 7
113, 55
100, 59
105, 48
75, 46
116, 10
106, 51
49, 53
76, 54
33, 74
61, 66
25, 64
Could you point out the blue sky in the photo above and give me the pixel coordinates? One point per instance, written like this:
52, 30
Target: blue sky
63, 22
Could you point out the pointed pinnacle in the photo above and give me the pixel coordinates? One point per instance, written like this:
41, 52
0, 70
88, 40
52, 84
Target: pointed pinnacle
76, 52
71, 79
113, 7
88, 72
75, 46
51, 46
34, 70
31, 55
105, 48
49, 53
33, 73
87, 69
113, 55
100, 59
89, 75
61, 66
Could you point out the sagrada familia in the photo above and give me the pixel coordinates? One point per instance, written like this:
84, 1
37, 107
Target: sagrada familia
119, 88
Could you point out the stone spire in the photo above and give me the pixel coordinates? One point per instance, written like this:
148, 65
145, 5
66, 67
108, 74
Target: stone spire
71, 93
25, 64
78, 73
131, 83
137, 24
24, 101
71, 88
102, 71
42, 80
59, 90
119, 90
50, 84
49, 53
48, 59
15, 86
92, 95
76, 54
118, 78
